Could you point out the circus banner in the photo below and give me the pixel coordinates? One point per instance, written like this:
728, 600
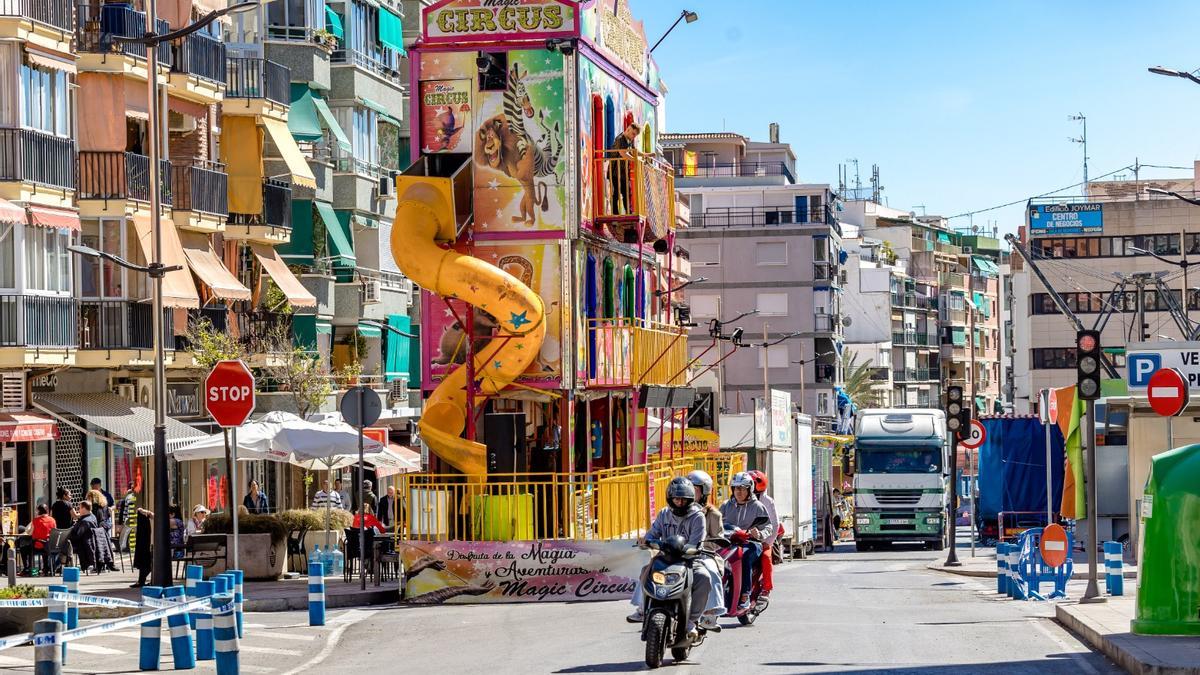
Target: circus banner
464, 572
445, 116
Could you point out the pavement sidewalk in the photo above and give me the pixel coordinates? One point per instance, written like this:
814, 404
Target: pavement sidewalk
1105, 626
983, 565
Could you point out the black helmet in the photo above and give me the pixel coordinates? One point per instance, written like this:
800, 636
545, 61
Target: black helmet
681, 488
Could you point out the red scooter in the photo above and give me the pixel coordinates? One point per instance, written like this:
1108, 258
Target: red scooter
733, 582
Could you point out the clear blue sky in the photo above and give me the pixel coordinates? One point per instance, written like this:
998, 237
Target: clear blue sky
963, 104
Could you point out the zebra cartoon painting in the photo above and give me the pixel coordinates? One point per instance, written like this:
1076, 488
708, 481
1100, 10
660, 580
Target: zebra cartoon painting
544, 141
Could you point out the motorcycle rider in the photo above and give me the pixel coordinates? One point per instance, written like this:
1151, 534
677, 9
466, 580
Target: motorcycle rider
749, 519
684, 518
768, 565
711, 565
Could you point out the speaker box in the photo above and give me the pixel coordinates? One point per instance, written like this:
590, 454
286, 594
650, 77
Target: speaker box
504, 435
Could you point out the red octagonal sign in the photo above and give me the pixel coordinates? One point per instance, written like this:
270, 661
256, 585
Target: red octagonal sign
229, 393
1168, 392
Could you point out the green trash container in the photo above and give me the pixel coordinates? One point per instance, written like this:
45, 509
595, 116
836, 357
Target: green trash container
1168, 596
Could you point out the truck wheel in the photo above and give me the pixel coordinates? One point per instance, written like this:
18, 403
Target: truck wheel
656, 635
864, 546
800, 551
937, 545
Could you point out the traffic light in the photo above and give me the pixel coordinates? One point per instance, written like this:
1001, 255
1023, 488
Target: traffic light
1087, 364
958, 413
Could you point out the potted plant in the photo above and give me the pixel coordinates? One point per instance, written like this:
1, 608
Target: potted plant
325, 39
350, 373
262, 543
14, 620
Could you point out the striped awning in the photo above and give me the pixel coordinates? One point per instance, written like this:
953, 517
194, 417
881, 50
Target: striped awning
121, 421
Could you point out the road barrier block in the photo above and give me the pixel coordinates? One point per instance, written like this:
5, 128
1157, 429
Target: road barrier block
195, 573
149, 649
1002, 568
204, 623
316, 594
1114, 574
71, 581
56, 610
225, 634
182, 650
239, 578
47, 659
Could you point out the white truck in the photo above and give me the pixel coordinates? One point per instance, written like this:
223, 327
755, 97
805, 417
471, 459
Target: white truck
901, 477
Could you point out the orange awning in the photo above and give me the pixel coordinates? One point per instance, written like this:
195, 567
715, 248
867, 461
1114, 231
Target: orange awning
102, 123
178, 288
297, 164
241, 151
45, 216
11, 213
48, 60
26, 427
206, 265
287, 282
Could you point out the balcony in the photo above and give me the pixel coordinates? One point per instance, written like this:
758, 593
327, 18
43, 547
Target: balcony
624, 352
632, 188
259, 331
37, 330
108, 326
383, 63
827, 271
119, 176
958, 316
273, 225
735, 170
913, 375
750, 216
261, 87
37, 158
45, 23
880, 374
198, 68
99, 52
826, 373
201, 195
952, 280
827, 323
917, 339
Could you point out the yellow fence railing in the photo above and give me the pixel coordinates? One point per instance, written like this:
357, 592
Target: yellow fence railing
606, 504
631, 352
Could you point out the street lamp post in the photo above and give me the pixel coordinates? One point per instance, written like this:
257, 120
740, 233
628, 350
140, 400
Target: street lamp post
690, 17
802, 363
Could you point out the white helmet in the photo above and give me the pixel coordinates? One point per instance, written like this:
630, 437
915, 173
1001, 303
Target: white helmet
702, 480
742, 479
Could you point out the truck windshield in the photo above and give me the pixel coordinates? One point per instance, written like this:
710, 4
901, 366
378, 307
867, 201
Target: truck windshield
920, 460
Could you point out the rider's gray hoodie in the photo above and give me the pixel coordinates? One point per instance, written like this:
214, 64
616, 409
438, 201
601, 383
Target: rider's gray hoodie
751, 516
690, 525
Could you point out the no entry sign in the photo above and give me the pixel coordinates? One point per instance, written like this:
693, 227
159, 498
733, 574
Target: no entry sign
1053, 545
229, 393
1167, 391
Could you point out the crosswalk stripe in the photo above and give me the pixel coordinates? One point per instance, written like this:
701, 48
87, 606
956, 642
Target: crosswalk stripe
264, 650
287, 636
93, 649
14, 661
246, 668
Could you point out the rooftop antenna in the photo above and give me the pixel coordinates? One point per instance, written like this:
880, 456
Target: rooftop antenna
857, 182
876, 188
920, 206
1080, 117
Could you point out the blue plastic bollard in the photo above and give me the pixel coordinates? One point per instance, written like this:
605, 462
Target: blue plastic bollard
195, 573
149, 650
238, 596
71, 581
225, 635
1002, 568
316, 594
181, 635
56, 610
47, 659
1114, 574
204, 623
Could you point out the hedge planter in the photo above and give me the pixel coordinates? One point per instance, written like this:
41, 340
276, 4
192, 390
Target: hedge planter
14, 620
260, 559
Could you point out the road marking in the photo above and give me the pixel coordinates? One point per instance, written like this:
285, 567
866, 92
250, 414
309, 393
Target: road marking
343, 622
1070, 649
287, 636
14, 662
264, 650
93, 649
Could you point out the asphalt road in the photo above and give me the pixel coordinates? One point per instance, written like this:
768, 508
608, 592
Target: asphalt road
877, 612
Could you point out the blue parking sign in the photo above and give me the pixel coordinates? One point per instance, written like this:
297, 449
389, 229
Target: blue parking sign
1141, 366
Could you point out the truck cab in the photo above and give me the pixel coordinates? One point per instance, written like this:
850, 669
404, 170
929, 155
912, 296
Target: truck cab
901, 458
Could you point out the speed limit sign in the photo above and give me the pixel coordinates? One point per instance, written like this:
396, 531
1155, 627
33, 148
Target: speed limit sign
975, 437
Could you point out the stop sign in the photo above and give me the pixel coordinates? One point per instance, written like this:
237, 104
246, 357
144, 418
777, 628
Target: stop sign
229, 393
1052, 407
1167, 391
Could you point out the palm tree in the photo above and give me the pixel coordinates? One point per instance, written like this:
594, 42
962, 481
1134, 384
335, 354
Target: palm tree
859, 385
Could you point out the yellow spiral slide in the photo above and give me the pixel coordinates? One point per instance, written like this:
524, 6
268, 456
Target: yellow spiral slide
424, 216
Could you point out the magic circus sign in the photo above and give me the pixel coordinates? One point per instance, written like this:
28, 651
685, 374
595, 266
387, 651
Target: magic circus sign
458, 20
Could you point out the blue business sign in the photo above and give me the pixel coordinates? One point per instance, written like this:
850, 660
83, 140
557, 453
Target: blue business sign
1052, 219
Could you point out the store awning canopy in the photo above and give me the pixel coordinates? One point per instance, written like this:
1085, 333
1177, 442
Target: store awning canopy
287, 282
384, 113
981, 404
179, 290
986, 266
120, 421
11, 213
331, 122
59, 219
338, 235
370, 330
302, 116
205, 263
297, 165
26, 428
241, 151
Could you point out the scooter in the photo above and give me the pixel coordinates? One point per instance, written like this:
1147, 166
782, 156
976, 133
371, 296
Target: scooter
667, 598
733, 585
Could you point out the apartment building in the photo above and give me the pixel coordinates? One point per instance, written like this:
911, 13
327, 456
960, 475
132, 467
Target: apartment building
239, 181
766, 243
1097, 240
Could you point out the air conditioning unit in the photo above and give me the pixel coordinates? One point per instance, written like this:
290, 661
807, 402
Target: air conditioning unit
387, 187
145, 390
126, 391
12, 391
371, 291
967, 250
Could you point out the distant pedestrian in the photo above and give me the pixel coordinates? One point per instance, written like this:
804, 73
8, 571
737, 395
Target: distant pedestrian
255, 501
196, 524
143, 559
369, 497
389, 510
341, 490
619, 154
89, 541
327, 498
96, 484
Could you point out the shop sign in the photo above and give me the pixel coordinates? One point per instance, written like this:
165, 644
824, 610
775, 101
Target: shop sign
46, 384
461, 20
1056, 219
183, 399
781, 429
521, 571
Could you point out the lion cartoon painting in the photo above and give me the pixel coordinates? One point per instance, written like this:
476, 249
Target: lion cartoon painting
496, 145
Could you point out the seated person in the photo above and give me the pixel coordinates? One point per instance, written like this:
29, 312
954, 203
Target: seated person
90, 540
37, 539
369, 518
749, 520
682, 518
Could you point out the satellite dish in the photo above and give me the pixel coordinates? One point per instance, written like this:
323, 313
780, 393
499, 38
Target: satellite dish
846, 320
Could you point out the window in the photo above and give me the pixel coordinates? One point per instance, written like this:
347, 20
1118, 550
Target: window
362, 38
363, 126
705, 306
291, 14
706, 253
45, 100
778, 355
47, 261
823, 407
8, 276
772, 304
771, 252
103, 278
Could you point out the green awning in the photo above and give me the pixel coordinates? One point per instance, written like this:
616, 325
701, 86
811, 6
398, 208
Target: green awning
304, 331
340, 248
333, 23
299, 250
391, 32
943, 237
986, 266
324, 327
368, 329
302, 117
397, 351
384, 113
981, 404
331, 122
414, 357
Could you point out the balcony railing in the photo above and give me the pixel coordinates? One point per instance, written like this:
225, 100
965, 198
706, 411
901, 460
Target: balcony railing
99, 24
734, 170
385, 63
257, 330
201, 186
37, 157
634, 185
826, 271
880, 374
759, 215
826, 373
827, 323
624, 352
914, 375
911, 338
121, 175
952, 279
57, 13
277, 207
121, 324
200, 55
215, 315
38, 321
257, 78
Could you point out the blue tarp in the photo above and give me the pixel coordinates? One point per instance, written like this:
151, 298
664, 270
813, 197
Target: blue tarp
1012, 467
